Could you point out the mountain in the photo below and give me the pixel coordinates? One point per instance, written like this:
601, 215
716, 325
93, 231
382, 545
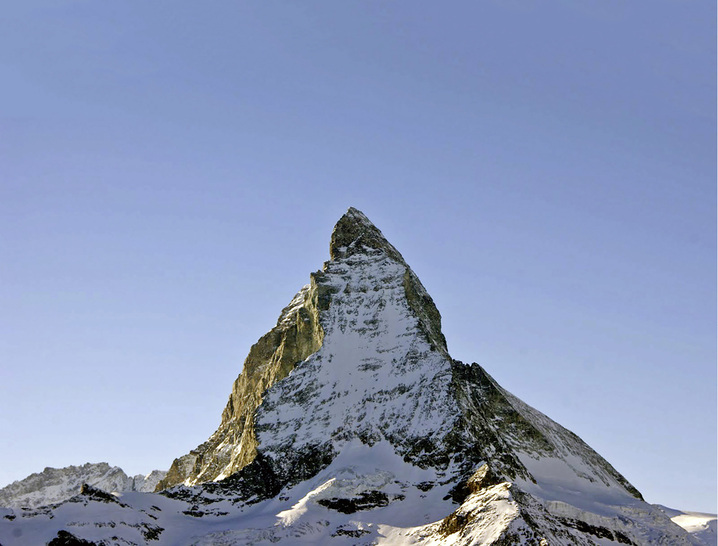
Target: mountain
54, 485
350, 423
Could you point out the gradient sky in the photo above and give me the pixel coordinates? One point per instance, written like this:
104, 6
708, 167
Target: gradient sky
170, 173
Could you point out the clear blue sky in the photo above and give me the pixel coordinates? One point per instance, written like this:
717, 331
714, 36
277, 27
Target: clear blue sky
170, 173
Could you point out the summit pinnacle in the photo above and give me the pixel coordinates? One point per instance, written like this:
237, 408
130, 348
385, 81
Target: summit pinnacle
354, 233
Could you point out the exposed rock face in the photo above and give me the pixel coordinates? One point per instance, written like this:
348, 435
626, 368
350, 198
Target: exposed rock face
64, 538
354, 235
296, 336
54, 485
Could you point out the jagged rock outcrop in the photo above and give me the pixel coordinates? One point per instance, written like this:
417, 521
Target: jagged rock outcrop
350, 423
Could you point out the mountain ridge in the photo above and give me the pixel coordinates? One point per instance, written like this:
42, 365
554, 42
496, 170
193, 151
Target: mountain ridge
54, 485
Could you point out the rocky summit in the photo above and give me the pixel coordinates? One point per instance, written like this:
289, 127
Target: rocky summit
350, 423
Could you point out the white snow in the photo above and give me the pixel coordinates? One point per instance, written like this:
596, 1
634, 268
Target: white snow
695, 522
701, 525
375, 373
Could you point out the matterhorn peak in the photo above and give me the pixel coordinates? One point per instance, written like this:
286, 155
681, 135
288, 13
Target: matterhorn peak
363, 322
351, 423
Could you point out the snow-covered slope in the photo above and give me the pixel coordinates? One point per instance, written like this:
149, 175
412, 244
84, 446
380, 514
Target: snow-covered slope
54, 485
350, 423
701, 525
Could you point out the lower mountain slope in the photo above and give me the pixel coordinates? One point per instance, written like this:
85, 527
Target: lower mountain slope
366, 495
351, 424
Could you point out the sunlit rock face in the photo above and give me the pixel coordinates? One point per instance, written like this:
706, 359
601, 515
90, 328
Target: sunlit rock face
296, 336
350, 423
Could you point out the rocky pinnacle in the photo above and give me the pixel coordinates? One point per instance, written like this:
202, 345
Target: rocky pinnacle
354, 233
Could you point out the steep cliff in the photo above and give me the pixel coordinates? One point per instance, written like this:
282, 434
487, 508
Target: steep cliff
296, 336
